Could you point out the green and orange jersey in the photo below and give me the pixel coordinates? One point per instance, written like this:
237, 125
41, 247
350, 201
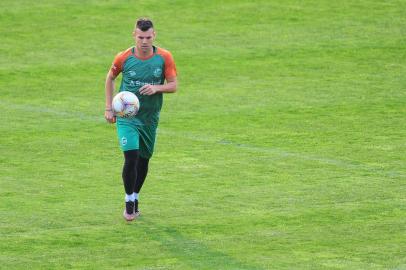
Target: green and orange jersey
137, 72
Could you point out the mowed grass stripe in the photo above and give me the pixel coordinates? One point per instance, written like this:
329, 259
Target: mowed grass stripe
352, 166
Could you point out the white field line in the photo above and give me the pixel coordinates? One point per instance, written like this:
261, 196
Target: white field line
374, 170
350, 165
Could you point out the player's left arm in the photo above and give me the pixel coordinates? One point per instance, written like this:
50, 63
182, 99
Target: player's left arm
169, 87
170, 77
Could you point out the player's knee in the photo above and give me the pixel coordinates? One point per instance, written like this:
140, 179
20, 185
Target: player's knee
143, 161
130, 157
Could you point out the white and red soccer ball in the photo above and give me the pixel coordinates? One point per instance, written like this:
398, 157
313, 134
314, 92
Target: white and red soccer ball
125, 104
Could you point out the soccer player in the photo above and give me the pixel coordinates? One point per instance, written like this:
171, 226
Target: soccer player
147, 71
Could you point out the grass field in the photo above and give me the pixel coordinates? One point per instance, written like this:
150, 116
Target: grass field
284, 147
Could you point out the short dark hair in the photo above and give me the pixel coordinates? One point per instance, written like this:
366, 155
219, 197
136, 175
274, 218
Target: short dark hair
144, 24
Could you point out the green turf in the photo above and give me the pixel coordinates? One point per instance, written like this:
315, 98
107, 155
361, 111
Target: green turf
284, 147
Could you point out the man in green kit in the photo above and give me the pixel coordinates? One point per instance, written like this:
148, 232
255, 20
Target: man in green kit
147, 71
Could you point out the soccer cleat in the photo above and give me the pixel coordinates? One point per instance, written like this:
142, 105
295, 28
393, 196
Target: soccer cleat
129, 213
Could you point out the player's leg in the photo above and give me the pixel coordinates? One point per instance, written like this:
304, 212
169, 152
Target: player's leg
142, 171
129, 176
146, 149
129, 143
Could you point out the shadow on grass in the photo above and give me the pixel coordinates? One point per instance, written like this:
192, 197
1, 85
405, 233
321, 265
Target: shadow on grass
189, 251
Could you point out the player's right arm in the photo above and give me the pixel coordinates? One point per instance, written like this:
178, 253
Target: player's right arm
109, 86
114, 71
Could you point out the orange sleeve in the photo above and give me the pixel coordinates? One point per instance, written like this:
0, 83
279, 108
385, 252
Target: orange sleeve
118, 62
170, 67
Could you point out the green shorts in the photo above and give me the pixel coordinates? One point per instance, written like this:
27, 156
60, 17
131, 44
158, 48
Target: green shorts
136, 137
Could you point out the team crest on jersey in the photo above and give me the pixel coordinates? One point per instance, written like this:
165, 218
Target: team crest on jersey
132, 73
158, 72
123, 141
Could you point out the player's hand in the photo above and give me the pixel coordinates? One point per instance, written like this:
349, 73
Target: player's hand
148, 89
109, 116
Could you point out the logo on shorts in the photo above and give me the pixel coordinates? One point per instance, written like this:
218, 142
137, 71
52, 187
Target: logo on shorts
123, 141
158, 72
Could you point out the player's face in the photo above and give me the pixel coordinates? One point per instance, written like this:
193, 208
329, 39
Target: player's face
144, 40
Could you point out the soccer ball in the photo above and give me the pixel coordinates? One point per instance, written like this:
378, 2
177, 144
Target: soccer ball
125, 104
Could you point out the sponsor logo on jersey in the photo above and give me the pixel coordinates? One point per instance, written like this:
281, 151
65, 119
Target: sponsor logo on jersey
139, 83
